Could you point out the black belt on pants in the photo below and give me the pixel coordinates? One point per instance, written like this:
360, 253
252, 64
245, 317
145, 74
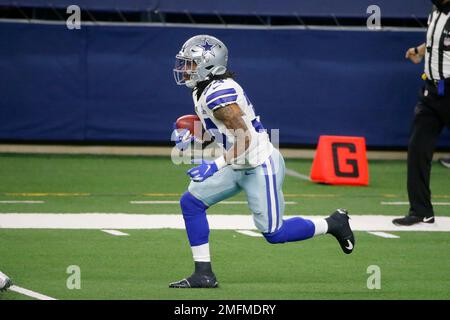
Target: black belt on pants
442, 86
435, 82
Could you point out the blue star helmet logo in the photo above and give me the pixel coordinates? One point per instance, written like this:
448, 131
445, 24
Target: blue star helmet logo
207, 48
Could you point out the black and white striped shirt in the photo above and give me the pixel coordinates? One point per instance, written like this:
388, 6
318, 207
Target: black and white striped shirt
437, 56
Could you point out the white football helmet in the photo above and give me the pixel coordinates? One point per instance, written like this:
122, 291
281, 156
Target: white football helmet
200, 57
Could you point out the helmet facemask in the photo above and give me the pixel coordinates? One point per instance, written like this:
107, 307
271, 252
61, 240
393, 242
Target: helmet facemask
185, 71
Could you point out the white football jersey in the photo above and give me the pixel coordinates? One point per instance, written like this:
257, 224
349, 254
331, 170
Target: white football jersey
220, 93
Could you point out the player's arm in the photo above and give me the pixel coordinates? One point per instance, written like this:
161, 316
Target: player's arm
231, 116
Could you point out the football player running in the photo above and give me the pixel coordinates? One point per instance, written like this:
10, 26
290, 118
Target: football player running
250, 162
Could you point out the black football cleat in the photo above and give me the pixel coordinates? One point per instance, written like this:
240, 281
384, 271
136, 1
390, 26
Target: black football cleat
203, 277
196, 281
339, 227
412, 220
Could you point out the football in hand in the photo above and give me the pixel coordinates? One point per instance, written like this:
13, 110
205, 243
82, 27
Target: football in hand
191, 122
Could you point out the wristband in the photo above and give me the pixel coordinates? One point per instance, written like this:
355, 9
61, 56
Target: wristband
220, 162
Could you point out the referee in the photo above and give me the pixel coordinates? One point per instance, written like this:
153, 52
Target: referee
431, 115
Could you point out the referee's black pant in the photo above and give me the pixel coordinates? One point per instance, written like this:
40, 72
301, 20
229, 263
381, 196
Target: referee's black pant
432, 114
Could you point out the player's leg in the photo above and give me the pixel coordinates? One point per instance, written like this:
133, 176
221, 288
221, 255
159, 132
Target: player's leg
194, 203
263, 186
426, 128
265, 197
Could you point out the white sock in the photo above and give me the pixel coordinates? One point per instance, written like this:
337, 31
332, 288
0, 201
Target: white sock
321, 226
201, 253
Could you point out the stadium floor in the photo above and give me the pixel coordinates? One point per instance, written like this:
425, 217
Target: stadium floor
140, 265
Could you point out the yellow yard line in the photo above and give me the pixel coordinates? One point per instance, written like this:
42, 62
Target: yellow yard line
83, 194
309, 195
161, 194
402, 196
46, 194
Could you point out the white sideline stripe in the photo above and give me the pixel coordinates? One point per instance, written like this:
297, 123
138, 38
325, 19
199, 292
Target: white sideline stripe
405, 203
22, 201
122, 221
249, 233
30, 293
115, 232
177, 202
384, 234
296, 174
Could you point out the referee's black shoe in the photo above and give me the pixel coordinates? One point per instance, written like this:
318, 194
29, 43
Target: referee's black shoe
412, 220
445, 162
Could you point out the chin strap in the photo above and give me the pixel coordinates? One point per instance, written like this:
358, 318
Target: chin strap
218, 70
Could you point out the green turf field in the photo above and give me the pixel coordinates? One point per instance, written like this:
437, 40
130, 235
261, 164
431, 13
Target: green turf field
108, 184
139, 266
